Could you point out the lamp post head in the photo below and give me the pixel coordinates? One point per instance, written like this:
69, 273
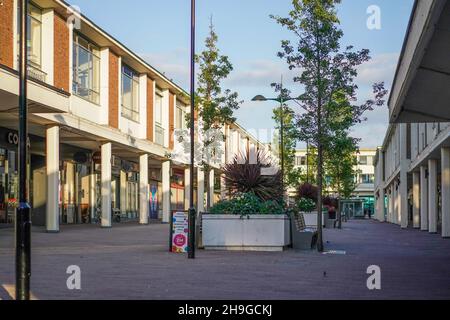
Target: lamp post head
259, 98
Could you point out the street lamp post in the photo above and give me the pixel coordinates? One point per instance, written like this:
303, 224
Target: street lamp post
23, 212
281, 100
192, 213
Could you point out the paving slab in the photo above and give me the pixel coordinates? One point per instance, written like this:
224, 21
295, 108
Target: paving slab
130, 261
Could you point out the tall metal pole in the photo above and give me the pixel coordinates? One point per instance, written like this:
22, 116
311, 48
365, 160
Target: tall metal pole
282, 139
192, 213
307, 161
23, 213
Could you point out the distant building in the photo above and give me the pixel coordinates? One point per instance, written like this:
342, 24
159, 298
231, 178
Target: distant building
362, 199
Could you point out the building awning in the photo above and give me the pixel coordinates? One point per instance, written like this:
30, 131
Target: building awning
421, 88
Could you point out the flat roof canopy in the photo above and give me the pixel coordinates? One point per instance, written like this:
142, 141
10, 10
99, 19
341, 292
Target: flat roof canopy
421, 89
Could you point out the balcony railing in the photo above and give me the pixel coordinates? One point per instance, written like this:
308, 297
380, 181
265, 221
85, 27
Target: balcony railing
36, 73
85, 93
130, 113
159, 135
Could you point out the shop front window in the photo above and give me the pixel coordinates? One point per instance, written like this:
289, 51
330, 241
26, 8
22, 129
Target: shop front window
8, 185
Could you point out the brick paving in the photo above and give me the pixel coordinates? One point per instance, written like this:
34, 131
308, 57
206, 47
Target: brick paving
133, 262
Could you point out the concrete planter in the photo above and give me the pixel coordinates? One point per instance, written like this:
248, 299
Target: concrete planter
247, 233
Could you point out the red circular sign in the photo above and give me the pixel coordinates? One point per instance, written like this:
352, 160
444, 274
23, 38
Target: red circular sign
179, 240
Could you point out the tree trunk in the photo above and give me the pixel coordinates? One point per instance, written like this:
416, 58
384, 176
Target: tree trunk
319, 197
339, 214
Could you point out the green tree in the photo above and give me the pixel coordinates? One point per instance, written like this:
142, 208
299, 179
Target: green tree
215, 106
327, 74
292, 175
340, 167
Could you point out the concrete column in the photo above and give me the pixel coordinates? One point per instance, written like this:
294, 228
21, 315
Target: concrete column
381, 206
416, 199
200, 190
423, 199
211, 188
403, 198
395, 218
123, 192
106, 184
187, 188
392, 206
432, 196
445, 191
143, 189
223, 188
52, 159
166, 191
92, 195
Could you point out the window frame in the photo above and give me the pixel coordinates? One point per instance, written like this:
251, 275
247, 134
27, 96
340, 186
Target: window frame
91, 46
134, 77
180, 114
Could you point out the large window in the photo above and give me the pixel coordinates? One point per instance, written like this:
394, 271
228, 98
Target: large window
180, 117
130, 93
363, 160
159, 130
86, 70
300, 161
366, 178
34, 42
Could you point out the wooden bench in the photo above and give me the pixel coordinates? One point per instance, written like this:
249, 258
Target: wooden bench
303, 237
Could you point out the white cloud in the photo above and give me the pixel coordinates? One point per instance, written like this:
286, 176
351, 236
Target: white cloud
260, 73
174, 65
380, 68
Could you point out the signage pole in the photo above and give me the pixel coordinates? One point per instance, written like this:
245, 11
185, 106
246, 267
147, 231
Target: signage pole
23, 213
192, 213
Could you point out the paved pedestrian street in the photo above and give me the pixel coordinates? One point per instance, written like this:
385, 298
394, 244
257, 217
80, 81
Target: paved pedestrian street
133, 262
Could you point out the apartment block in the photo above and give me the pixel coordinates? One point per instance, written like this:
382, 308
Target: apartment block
102, 123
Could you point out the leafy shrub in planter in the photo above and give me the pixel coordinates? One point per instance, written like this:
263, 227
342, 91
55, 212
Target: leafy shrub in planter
245, 204
308, 191
330, 202
306, 205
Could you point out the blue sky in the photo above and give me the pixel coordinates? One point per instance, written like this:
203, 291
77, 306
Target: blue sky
159, 31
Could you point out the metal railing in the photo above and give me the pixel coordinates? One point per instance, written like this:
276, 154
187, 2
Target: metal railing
85, 93
36, 73
130, 113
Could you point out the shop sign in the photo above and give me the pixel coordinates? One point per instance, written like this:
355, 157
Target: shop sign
13, 138
179, 232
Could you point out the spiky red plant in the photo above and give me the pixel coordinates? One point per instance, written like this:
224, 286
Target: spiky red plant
243, 177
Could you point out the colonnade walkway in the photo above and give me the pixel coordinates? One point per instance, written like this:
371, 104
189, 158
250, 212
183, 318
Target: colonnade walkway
132, 262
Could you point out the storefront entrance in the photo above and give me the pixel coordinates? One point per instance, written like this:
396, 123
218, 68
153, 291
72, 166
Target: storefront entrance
8, 185
74, 193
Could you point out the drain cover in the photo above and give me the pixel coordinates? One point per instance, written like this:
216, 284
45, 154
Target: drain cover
340, 252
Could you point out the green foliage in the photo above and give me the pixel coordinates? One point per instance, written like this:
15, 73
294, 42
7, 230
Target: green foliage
214, 105
292, 175
306, 205
340, 164
246, 204
327, 74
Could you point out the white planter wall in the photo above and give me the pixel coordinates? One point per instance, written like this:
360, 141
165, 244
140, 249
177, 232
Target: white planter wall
250, 233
